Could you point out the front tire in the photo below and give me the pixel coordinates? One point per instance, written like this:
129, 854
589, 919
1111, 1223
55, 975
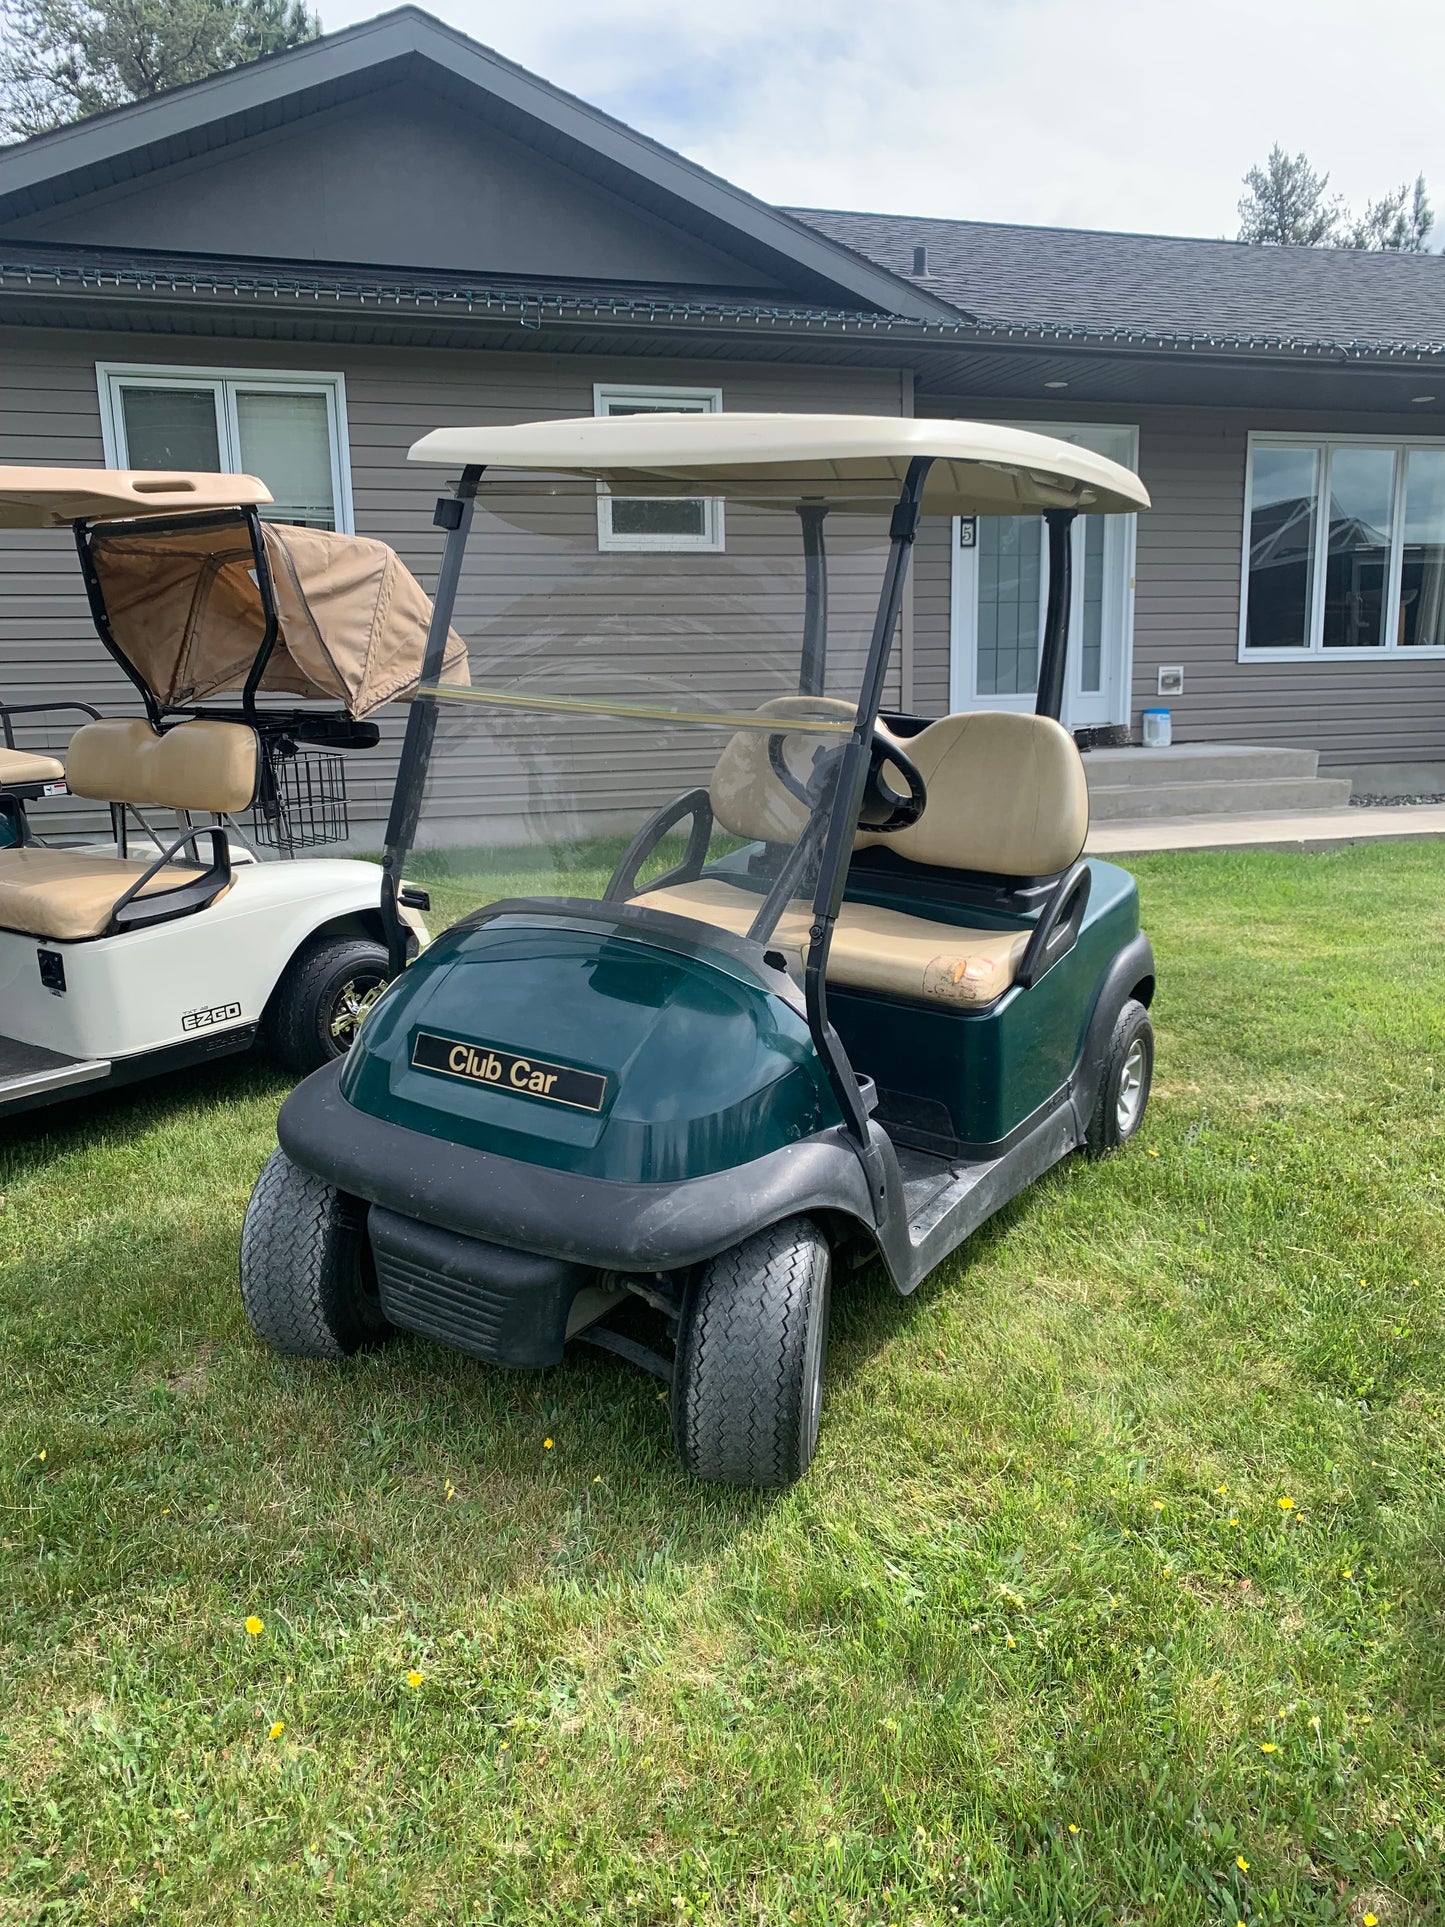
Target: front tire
326, 990
747, 1386
306, 1277
1124, 1087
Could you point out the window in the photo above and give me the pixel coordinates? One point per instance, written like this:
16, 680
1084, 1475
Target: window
1344, 549
290, 430
625, 522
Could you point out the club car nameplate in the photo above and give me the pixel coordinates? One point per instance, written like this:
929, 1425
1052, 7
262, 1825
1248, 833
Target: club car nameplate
504, 1070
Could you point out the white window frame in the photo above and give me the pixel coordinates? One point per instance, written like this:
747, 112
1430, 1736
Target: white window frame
1313, 649
701, 401
112, 377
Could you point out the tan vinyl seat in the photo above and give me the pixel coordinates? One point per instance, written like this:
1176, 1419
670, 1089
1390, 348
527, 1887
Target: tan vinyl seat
872, 949
1006, 796
68, 895
21, 766
202, 765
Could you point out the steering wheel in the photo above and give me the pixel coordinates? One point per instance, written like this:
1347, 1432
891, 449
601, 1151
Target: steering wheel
883, 809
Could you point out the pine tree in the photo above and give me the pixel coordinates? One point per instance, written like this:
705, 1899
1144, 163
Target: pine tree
61, 60
1285, 204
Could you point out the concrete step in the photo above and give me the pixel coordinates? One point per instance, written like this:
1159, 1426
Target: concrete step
1129, 802
1196, 763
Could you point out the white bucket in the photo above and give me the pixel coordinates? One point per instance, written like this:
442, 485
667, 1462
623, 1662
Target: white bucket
1158, 729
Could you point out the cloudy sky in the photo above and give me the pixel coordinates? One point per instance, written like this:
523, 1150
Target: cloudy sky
1139, 114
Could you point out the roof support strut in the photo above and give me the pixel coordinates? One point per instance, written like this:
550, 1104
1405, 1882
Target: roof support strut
815, 600
454, 514
1056, 613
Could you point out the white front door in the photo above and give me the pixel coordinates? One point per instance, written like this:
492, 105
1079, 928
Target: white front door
1000, 586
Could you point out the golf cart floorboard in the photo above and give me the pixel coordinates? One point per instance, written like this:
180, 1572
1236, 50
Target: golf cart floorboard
930, 1185
26, 1069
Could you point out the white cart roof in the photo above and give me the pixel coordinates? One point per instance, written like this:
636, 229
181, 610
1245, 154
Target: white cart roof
53, 498
852, 461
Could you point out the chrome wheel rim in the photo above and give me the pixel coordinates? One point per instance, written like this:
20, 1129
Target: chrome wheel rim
1130, 1101
815, 1366
352, 1002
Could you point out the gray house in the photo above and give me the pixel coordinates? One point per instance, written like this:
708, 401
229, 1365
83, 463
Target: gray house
298, 267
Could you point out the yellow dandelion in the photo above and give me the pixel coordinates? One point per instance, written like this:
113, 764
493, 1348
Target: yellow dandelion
1241, 1863
44, 1455
1158, 1505
1011, 1641
255, 1627
1268, 1746
1348, 1573
278, 1727
598, 1479
546, 1445
1370, 1920
1223, 1491
414, 1678
1286, 1504
451, 1491
1234, 1522
1152, 1152
1072, 1827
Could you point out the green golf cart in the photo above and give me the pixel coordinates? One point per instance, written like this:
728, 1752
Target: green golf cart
752, 977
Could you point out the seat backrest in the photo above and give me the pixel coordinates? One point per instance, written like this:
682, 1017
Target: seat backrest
748, 798
197, 765
1006, 796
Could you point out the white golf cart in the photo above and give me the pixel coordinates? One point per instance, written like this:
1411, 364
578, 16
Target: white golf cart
172, 941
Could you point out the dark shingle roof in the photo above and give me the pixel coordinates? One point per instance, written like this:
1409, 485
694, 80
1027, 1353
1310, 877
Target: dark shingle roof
1152, 284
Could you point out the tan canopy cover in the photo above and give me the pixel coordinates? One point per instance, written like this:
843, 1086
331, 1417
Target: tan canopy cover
847, 461
53, 498
185, 610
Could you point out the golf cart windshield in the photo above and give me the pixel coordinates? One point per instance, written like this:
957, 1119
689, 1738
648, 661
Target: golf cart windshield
660, 694
681, 633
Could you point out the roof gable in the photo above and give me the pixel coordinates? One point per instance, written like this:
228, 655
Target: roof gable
202, 122
398, 178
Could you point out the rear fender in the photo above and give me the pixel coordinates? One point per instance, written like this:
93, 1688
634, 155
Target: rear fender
1130, 975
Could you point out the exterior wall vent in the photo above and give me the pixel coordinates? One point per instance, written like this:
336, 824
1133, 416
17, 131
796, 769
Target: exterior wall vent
920, 260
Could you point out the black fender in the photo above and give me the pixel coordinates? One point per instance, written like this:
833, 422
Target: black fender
1131, 972
595, 1222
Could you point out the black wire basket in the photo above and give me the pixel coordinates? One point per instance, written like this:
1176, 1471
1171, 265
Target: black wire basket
301, 801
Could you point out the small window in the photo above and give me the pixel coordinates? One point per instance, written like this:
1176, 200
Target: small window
635, 522
290, 430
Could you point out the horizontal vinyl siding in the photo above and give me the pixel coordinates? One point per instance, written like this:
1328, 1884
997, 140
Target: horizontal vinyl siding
1187, 590
717, 605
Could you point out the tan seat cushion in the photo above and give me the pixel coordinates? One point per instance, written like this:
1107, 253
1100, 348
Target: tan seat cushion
872, 949
198, 765
19, 766
70, 894
1006, 795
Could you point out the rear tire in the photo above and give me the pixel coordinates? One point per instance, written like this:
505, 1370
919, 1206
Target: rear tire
306, 1278
747, 1384
1124, 1088
326, 990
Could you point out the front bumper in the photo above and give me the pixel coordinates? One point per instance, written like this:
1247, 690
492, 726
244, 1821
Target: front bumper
594, 1223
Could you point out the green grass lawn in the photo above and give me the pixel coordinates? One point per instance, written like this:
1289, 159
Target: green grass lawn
1115, 1593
